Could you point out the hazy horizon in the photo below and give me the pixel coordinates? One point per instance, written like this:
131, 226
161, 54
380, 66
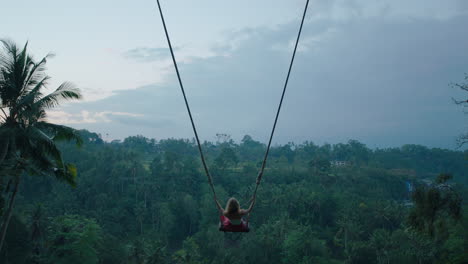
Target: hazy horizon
377, 72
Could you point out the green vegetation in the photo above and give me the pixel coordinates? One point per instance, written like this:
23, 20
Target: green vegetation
147, 201
27, 139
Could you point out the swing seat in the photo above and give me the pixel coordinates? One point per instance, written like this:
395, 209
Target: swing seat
225, 225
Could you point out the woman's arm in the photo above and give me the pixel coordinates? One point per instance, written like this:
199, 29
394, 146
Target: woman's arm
244, 212
220, 208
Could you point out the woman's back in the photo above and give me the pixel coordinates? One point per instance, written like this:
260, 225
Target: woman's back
233, 216
233, 211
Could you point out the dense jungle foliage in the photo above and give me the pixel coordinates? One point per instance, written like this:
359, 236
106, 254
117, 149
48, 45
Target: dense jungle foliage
147, 201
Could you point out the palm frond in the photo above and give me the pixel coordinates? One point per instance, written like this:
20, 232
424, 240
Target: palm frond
68, 174
9, 46
43, 142
61, 132
19, 72
35, 156
36, 72
66, 91
4, 115
29, 98
23, 61
37, 147
10, 71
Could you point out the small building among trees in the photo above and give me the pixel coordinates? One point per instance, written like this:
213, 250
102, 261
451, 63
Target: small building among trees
339, 163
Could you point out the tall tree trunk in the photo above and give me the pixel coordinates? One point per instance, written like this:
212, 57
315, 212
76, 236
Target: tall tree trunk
3, 149
141, 225
346, 243
135, 183
9, 213
36, 236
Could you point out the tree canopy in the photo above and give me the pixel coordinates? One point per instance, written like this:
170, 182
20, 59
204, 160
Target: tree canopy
147, 201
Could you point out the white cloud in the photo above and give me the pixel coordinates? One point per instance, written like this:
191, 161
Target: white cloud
345, 10
86, 117
311, 42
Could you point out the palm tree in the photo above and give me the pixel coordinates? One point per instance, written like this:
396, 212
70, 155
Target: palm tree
27, 140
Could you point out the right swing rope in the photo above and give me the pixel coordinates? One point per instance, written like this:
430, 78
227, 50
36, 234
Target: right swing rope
262, 169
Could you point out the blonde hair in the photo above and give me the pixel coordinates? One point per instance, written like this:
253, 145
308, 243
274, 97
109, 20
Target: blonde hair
232, 206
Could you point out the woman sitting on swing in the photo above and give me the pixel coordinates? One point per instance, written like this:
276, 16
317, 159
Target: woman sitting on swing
232, 218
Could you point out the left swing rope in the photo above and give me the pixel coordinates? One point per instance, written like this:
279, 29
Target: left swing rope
202, 156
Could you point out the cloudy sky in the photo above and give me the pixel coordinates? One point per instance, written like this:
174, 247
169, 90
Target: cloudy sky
373, 70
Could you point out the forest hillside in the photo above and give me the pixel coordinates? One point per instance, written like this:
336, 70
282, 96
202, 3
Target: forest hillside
143, 200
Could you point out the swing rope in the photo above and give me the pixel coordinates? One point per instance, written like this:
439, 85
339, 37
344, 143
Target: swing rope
202, 156
260, 174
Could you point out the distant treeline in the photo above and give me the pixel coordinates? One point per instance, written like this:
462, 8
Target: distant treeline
147, 201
